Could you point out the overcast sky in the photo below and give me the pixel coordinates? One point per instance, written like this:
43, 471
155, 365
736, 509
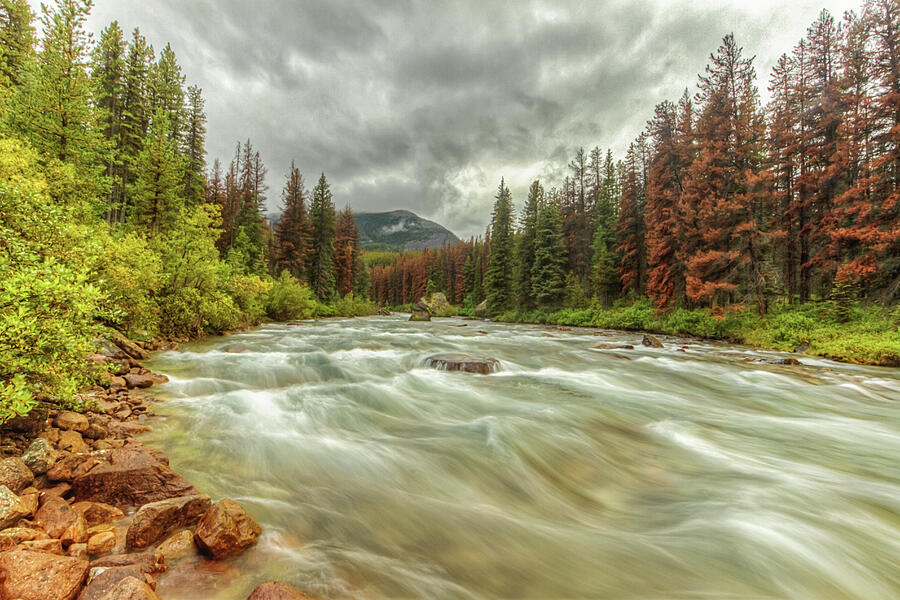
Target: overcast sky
425, 105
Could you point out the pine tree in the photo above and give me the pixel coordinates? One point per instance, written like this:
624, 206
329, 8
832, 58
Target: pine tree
136, 112
294, 230
499, 280
156, 191
194, 149
108, 70
630, 226
322, 217
346, 252
605, 260
167, 93
548, 275
16, 40
525, 246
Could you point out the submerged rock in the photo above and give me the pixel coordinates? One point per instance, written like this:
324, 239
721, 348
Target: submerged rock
153, 521
614, 347
225, 530
278, 591
131, 588
463, 362
651, 341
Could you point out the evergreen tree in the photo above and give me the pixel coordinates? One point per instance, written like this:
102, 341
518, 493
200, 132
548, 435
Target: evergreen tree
167, 93
322, 217
346, 252
194, 149
630, 226
16, 40
605, 259
294, 230
548, 275
499, 280
525, 247
136, 113
156, 191
108, 71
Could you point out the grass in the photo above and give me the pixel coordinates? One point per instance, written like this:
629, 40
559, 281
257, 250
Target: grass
863, 335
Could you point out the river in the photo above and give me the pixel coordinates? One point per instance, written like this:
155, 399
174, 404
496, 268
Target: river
572, 472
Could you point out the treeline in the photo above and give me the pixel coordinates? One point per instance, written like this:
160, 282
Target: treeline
721, 200
109, 216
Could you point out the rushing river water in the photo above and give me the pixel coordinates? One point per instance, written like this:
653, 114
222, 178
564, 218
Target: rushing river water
571, 473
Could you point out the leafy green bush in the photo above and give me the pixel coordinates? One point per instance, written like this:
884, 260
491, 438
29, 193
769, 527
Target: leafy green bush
354, 306
290, 299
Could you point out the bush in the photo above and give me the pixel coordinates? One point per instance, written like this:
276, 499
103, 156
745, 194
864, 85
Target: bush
289, 299
354, 306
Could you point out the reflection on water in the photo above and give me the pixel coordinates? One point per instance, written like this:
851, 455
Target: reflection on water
572, 473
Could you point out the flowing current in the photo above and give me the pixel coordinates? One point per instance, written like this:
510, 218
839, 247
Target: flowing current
573, 472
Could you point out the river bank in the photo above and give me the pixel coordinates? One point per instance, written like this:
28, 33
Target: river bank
87, 511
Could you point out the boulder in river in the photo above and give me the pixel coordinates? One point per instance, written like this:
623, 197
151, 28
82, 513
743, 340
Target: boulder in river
614, 347
278, 591
463, 362
420, 312
225, 530
651, 341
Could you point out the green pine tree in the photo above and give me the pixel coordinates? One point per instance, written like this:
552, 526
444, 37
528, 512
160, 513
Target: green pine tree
167, 93
194, 149
548, 275
499, 278
156, 191
605, 260
16, 40
324, 225
136, 112
525, 247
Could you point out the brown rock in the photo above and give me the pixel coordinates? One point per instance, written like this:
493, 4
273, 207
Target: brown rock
614, 347
118, 429
102, 579
51, 434
225, 530
49, 545
61, 521
130, 476
178, 546
72, 441
95, 431
108, 444
131, 588
29, 498
72, 466
130, 348
68, 420
98, 513
78, 551
462, 362
133, 380
155, 520
147, 563
113, 382
15, 474
17, 535
61, 490
11, 508
31, 423
101, 543
651, 341
194, 576
278, 591
30, 575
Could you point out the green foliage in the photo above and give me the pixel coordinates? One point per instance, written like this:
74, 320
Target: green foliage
290, 299
131, 274
548, 273
499, 277
352, 305
324, 225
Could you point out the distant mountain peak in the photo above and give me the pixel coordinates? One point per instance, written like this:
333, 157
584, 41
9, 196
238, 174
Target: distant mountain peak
401, 230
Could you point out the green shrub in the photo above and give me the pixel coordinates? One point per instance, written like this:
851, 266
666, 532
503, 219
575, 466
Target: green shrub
290, 299
354, 306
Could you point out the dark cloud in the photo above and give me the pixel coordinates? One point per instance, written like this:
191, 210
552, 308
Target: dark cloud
425, 105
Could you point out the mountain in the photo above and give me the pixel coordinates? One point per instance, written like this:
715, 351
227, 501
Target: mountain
401, 230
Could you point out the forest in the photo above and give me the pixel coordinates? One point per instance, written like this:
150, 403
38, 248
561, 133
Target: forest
775, 225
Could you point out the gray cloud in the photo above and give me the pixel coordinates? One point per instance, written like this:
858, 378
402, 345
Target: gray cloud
425, 105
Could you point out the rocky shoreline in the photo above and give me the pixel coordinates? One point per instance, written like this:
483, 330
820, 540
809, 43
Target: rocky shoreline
88, 512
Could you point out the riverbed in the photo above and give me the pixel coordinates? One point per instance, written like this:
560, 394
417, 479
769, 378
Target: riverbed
572, 472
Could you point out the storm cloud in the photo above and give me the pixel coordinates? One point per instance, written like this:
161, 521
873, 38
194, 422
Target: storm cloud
426, 105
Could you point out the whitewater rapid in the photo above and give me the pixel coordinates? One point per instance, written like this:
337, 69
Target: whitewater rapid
573, 472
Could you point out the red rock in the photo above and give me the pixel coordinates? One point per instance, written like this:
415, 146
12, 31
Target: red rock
78, 551
49, 546
98, 513
29, 498
72, 441
72, 466
15, 474
102, 580
278, 591
61, 490
95, 431
131, 588
17, 535
29, 575
101, 543
68, 420
131, 476
61, 521
133, 380
121, 429
147, 563
11, 508
155, 520
225, 530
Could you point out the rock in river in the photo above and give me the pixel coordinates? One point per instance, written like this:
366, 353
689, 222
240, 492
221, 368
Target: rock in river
651, 341
463, 362
225, 530
420, 312
278, 591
